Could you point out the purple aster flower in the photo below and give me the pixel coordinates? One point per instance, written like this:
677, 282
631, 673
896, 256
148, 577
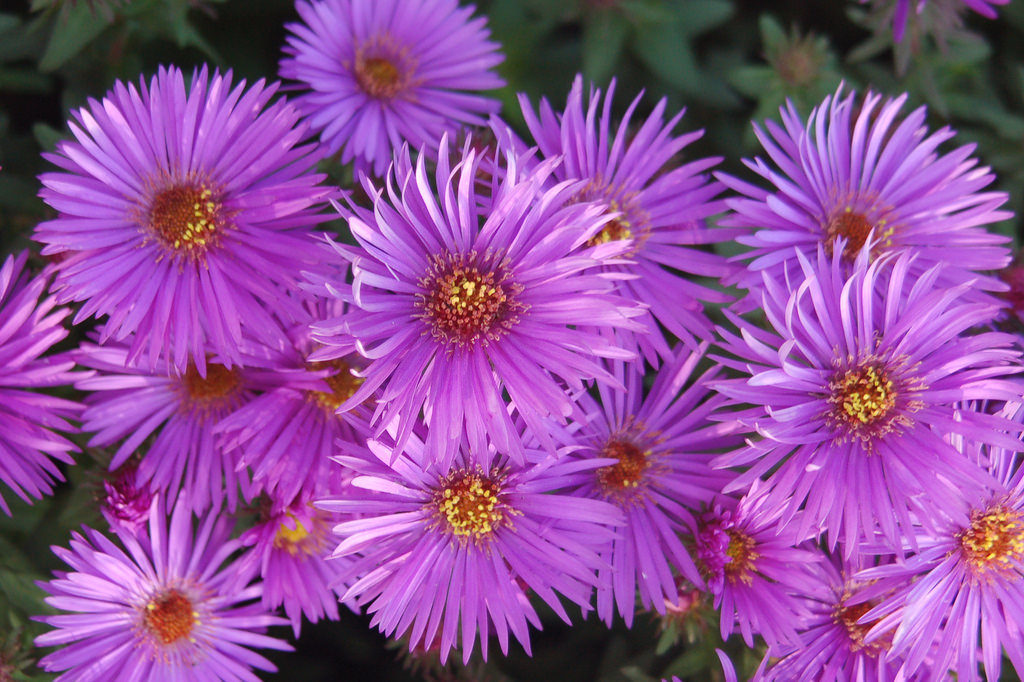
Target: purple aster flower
162, 606
445, 295
29, 443
387, 72
855, 393
447, 553
290, 544
129, 404
754, 566
661, 442
183, 212
853, 170
658, 205
960, 598
834, 644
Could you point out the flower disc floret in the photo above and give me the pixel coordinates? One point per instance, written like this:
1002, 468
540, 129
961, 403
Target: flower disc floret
187, 219
467, 303
628, 471
994, 542
213, 391
866, 403
468, 505
382, 70
170, 616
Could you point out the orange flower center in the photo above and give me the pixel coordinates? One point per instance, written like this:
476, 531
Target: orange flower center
378, 77
187, 219
847, 616
628, 471
855, 227
170, 616
466, 304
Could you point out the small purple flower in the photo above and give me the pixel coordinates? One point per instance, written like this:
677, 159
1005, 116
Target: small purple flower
382, 73
662, 442
660, 205
183, 212
448, 553
165, 607
754, 566
126, 503
452, 305
853, 170
29, 420
856, 388
290, 544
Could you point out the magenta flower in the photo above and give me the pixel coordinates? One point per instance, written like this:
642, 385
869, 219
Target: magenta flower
755, 567
29, 420
662, 442
126, 501
445, 296
856, 389
183, 212
853, 169
448, 553
382, 73
163, 607
658, 205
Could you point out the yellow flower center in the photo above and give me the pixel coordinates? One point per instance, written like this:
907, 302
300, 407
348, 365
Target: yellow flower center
994, 542
170, 616
863, 402
187, 219
469, 506
742, 556
343, 384
614, 230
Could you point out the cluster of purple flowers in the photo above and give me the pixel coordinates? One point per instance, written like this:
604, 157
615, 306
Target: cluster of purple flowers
500, 385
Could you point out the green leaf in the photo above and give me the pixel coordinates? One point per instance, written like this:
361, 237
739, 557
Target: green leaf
72, 31
604, 35
752, 80
700, 16
666, 52
8, 22
772, 34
